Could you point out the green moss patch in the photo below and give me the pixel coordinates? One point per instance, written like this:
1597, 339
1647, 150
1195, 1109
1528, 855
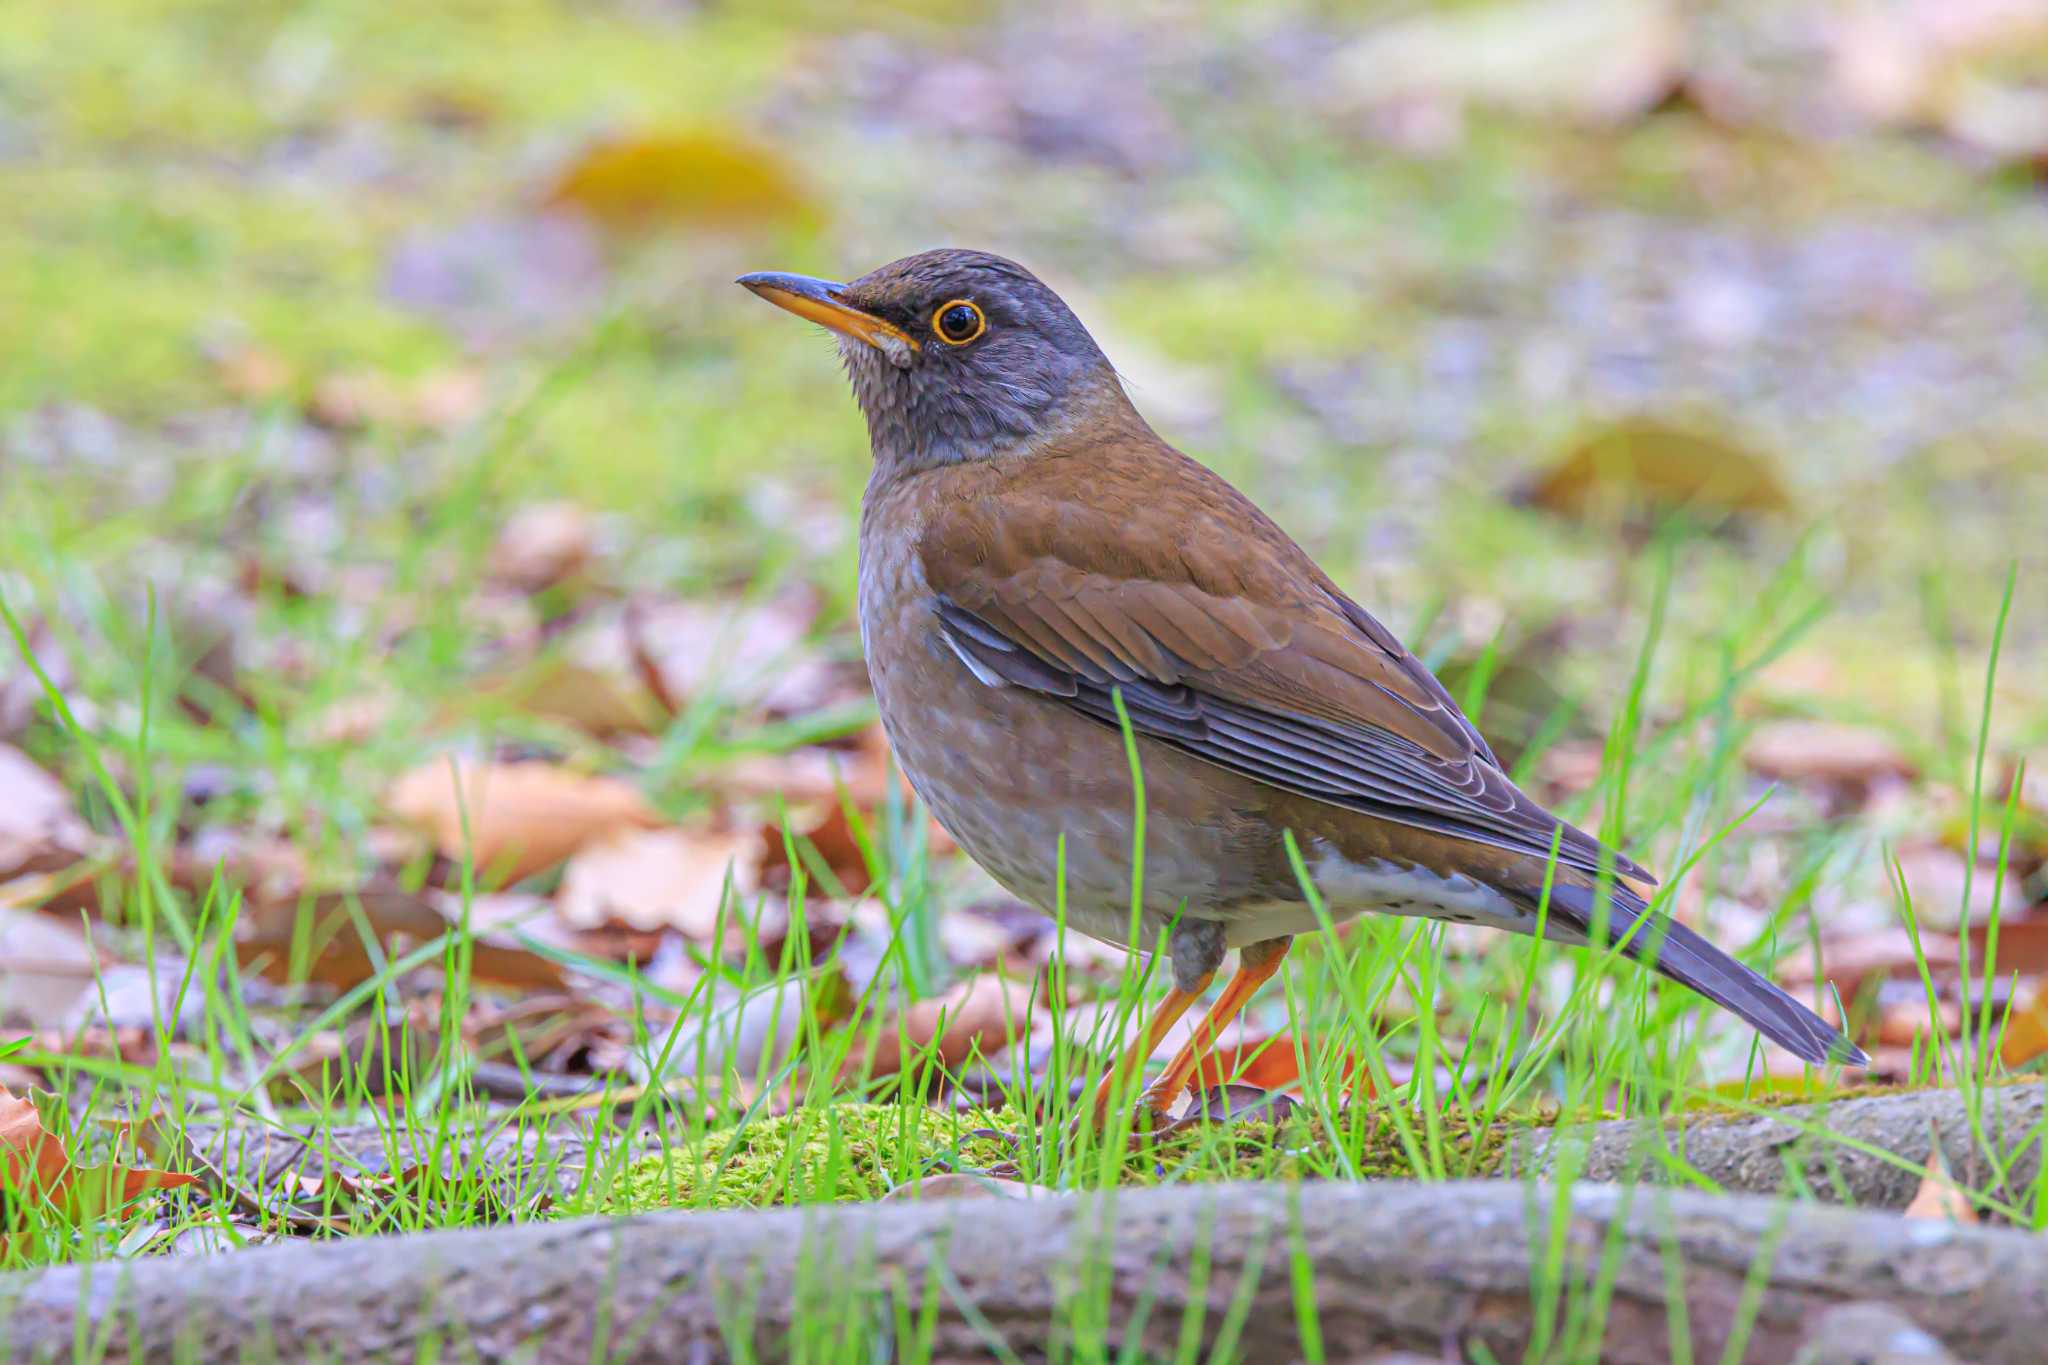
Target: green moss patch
826, 1154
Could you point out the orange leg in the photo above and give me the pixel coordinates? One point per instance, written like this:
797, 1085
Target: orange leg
1255, 967
1135, 1055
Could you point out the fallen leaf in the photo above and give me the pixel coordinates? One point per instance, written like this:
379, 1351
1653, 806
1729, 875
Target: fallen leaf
694, 178
542, 545
40, 830
1901, 1023
1647, 466
2025, 1036
813, 775
984, 1013
599, 701
1936, 875
2022, 945
830, 834
32, 1160
522, 817
1232, 1104
1825, 752
663, 878
1938, 1195
755, 652
45, 968
967, 1185
1851, 960
321, 939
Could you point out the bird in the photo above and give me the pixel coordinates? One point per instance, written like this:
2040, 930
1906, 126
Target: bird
1045, 585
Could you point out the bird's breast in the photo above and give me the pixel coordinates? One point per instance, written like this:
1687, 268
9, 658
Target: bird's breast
1022, 783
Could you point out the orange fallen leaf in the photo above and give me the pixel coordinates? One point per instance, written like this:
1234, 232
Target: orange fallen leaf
984, 1013
1939, 1196
2026, 1030
661, 878
32, 1160
522, 817
1274, 1063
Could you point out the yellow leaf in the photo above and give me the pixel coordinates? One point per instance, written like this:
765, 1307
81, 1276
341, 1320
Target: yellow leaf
1647, 465
694, 178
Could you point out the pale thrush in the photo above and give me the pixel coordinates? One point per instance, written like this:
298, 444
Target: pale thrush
1031, 552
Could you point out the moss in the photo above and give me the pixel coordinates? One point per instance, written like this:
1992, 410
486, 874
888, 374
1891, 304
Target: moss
852, 1152
828, 1154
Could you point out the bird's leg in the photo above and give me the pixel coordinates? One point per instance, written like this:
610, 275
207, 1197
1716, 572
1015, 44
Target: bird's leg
1197, 949
1256, 965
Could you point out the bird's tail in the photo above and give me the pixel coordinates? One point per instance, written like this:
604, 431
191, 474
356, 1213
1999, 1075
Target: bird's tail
1685, 957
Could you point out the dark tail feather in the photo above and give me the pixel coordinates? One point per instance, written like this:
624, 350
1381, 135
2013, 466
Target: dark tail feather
1685, 957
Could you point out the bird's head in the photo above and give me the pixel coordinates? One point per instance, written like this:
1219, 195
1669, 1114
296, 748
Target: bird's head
955, 355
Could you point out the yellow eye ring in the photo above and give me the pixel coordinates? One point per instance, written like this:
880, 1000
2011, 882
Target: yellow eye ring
957, 322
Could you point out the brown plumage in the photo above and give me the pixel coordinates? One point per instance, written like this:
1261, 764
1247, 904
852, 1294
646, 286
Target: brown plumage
1031, 551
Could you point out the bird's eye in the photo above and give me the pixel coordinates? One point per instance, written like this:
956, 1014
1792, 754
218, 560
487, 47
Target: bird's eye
958, 322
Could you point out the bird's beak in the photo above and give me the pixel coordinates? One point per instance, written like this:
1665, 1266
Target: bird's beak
824, 303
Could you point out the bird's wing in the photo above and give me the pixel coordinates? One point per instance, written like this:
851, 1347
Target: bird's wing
1163, 583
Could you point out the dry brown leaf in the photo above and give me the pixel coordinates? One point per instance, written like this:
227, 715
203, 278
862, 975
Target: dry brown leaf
1901, 1023
40, 830
542, 545
756, 651
522, 817
1850, 960
967, 1185
2022, 945
1939, 1196
45, 966
830, 833
602, 702
329, 939
662, 878
692, 178
1644, 465
815, 775
985, 1013
33, 1160
1936, 875
1825, 751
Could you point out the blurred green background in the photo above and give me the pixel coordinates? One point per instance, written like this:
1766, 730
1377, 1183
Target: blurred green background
1782, 268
